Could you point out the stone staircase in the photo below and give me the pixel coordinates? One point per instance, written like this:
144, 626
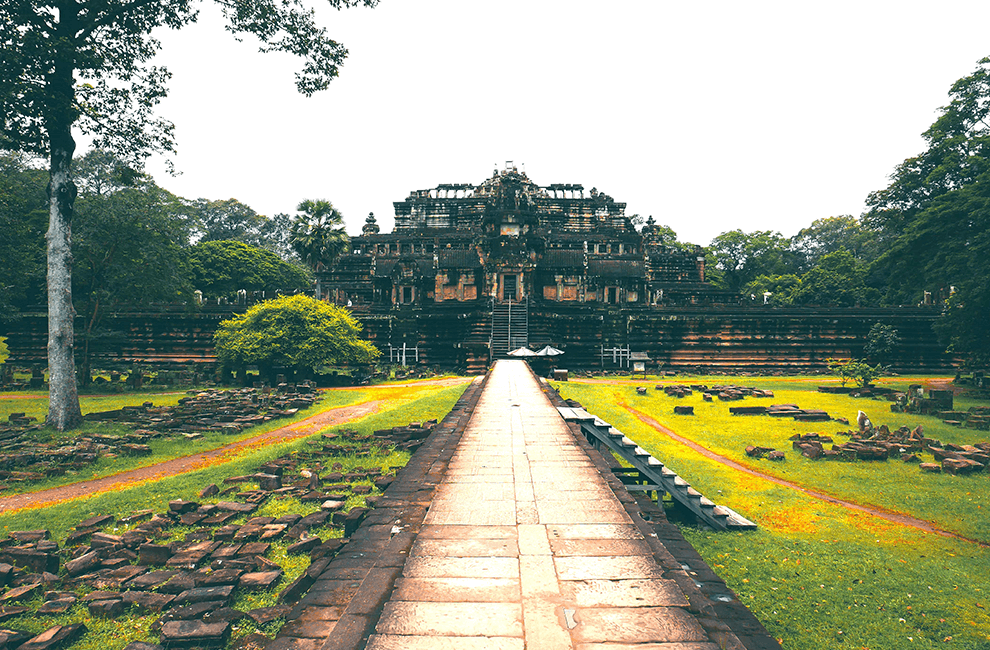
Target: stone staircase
510, 327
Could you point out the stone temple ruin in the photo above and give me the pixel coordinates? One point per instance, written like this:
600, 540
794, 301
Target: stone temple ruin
471, 272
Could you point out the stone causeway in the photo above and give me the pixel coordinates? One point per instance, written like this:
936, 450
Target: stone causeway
508, 530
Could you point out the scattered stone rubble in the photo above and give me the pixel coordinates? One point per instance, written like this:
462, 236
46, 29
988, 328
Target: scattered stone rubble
190, 585
881, 444
724, 393
225, 411
784, 410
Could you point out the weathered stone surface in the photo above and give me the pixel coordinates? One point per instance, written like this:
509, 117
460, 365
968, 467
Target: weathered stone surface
204, 594
233, 506
58, 605
177, 634
145, 601
259, 580
933, 468
54, 637
304, 546
12, 638
97, 521
107, 608
10, 611
154, 554
961, 466
83, 563
20, 593
265, 615
151, 580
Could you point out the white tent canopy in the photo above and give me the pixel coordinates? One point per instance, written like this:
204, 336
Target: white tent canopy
522, 352
549, 351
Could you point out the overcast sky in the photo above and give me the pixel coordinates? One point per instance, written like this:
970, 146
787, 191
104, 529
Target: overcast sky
710, 116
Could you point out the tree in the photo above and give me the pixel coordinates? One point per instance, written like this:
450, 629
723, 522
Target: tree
741, 257
839, 280
318, 236
934, 219
292, 331
222, 268
66, 64
881, 341
127, 245
832, 234
227, 220
22, 243
781, 288
4, 352
855, 369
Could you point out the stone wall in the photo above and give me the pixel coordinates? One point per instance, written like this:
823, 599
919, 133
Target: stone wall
456, 336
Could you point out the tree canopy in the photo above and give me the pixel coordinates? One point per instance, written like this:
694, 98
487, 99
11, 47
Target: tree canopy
293, 331
222, 268
317, 234
88, 65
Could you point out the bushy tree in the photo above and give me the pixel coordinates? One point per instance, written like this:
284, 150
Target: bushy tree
742, 257
781, 287
222, 268
87, 65
855, 370
127, 245
934, 219
294, 331
23, 219
832, 234
881, 341
4, 352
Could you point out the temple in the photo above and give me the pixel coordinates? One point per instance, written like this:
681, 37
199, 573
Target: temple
471, 272
509, 239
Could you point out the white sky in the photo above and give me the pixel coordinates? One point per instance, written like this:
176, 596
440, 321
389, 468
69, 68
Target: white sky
709, 115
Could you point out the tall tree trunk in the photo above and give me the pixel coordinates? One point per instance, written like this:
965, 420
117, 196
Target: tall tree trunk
63, 398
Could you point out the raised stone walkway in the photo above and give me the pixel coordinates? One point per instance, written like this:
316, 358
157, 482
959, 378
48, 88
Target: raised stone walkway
527, 543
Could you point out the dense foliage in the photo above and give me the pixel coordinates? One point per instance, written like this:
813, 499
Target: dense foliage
293, 331
88, 66
222, 268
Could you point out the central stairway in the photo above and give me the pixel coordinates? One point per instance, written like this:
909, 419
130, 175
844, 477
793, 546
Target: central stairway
510, 327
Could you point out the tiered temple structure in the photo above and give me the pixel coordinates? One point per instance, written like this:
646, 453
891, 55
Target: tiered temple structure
510, 239
471, 272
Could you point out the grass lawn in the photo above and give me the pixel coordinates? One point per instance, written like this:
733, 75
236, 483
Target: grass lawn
431, 402
167, 448
816, 574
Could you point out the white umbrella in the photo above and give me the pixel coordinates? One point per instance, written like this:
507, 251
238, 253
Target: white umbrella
549, 351
522, 352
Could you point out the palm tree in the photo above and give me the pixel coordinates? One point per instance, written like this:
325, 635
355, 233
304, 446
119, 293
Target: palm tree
318, 235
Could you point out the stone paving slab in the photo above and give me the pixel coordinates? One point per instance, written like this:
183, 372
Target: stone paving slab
543, 548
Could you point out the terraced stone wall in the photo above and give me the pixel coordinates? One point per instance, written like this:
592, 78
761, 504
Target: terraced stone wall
712, 337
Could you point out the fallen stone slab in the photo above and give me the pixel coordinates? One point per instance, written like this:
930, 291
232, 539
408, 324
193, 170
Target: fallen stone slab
265, 615
185, 634
12, 638
18, 593
54, 637
204, 594
259, 580
146, 601
107, 608
83, 563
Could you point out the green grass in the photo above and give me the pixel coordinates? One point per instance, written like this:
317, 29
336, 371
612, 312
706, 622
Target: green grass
424, 404
819, 575
168, 448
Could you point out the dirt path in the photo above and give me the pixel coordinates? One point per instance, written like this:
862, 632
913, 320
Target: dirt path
185, 464
896, 517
